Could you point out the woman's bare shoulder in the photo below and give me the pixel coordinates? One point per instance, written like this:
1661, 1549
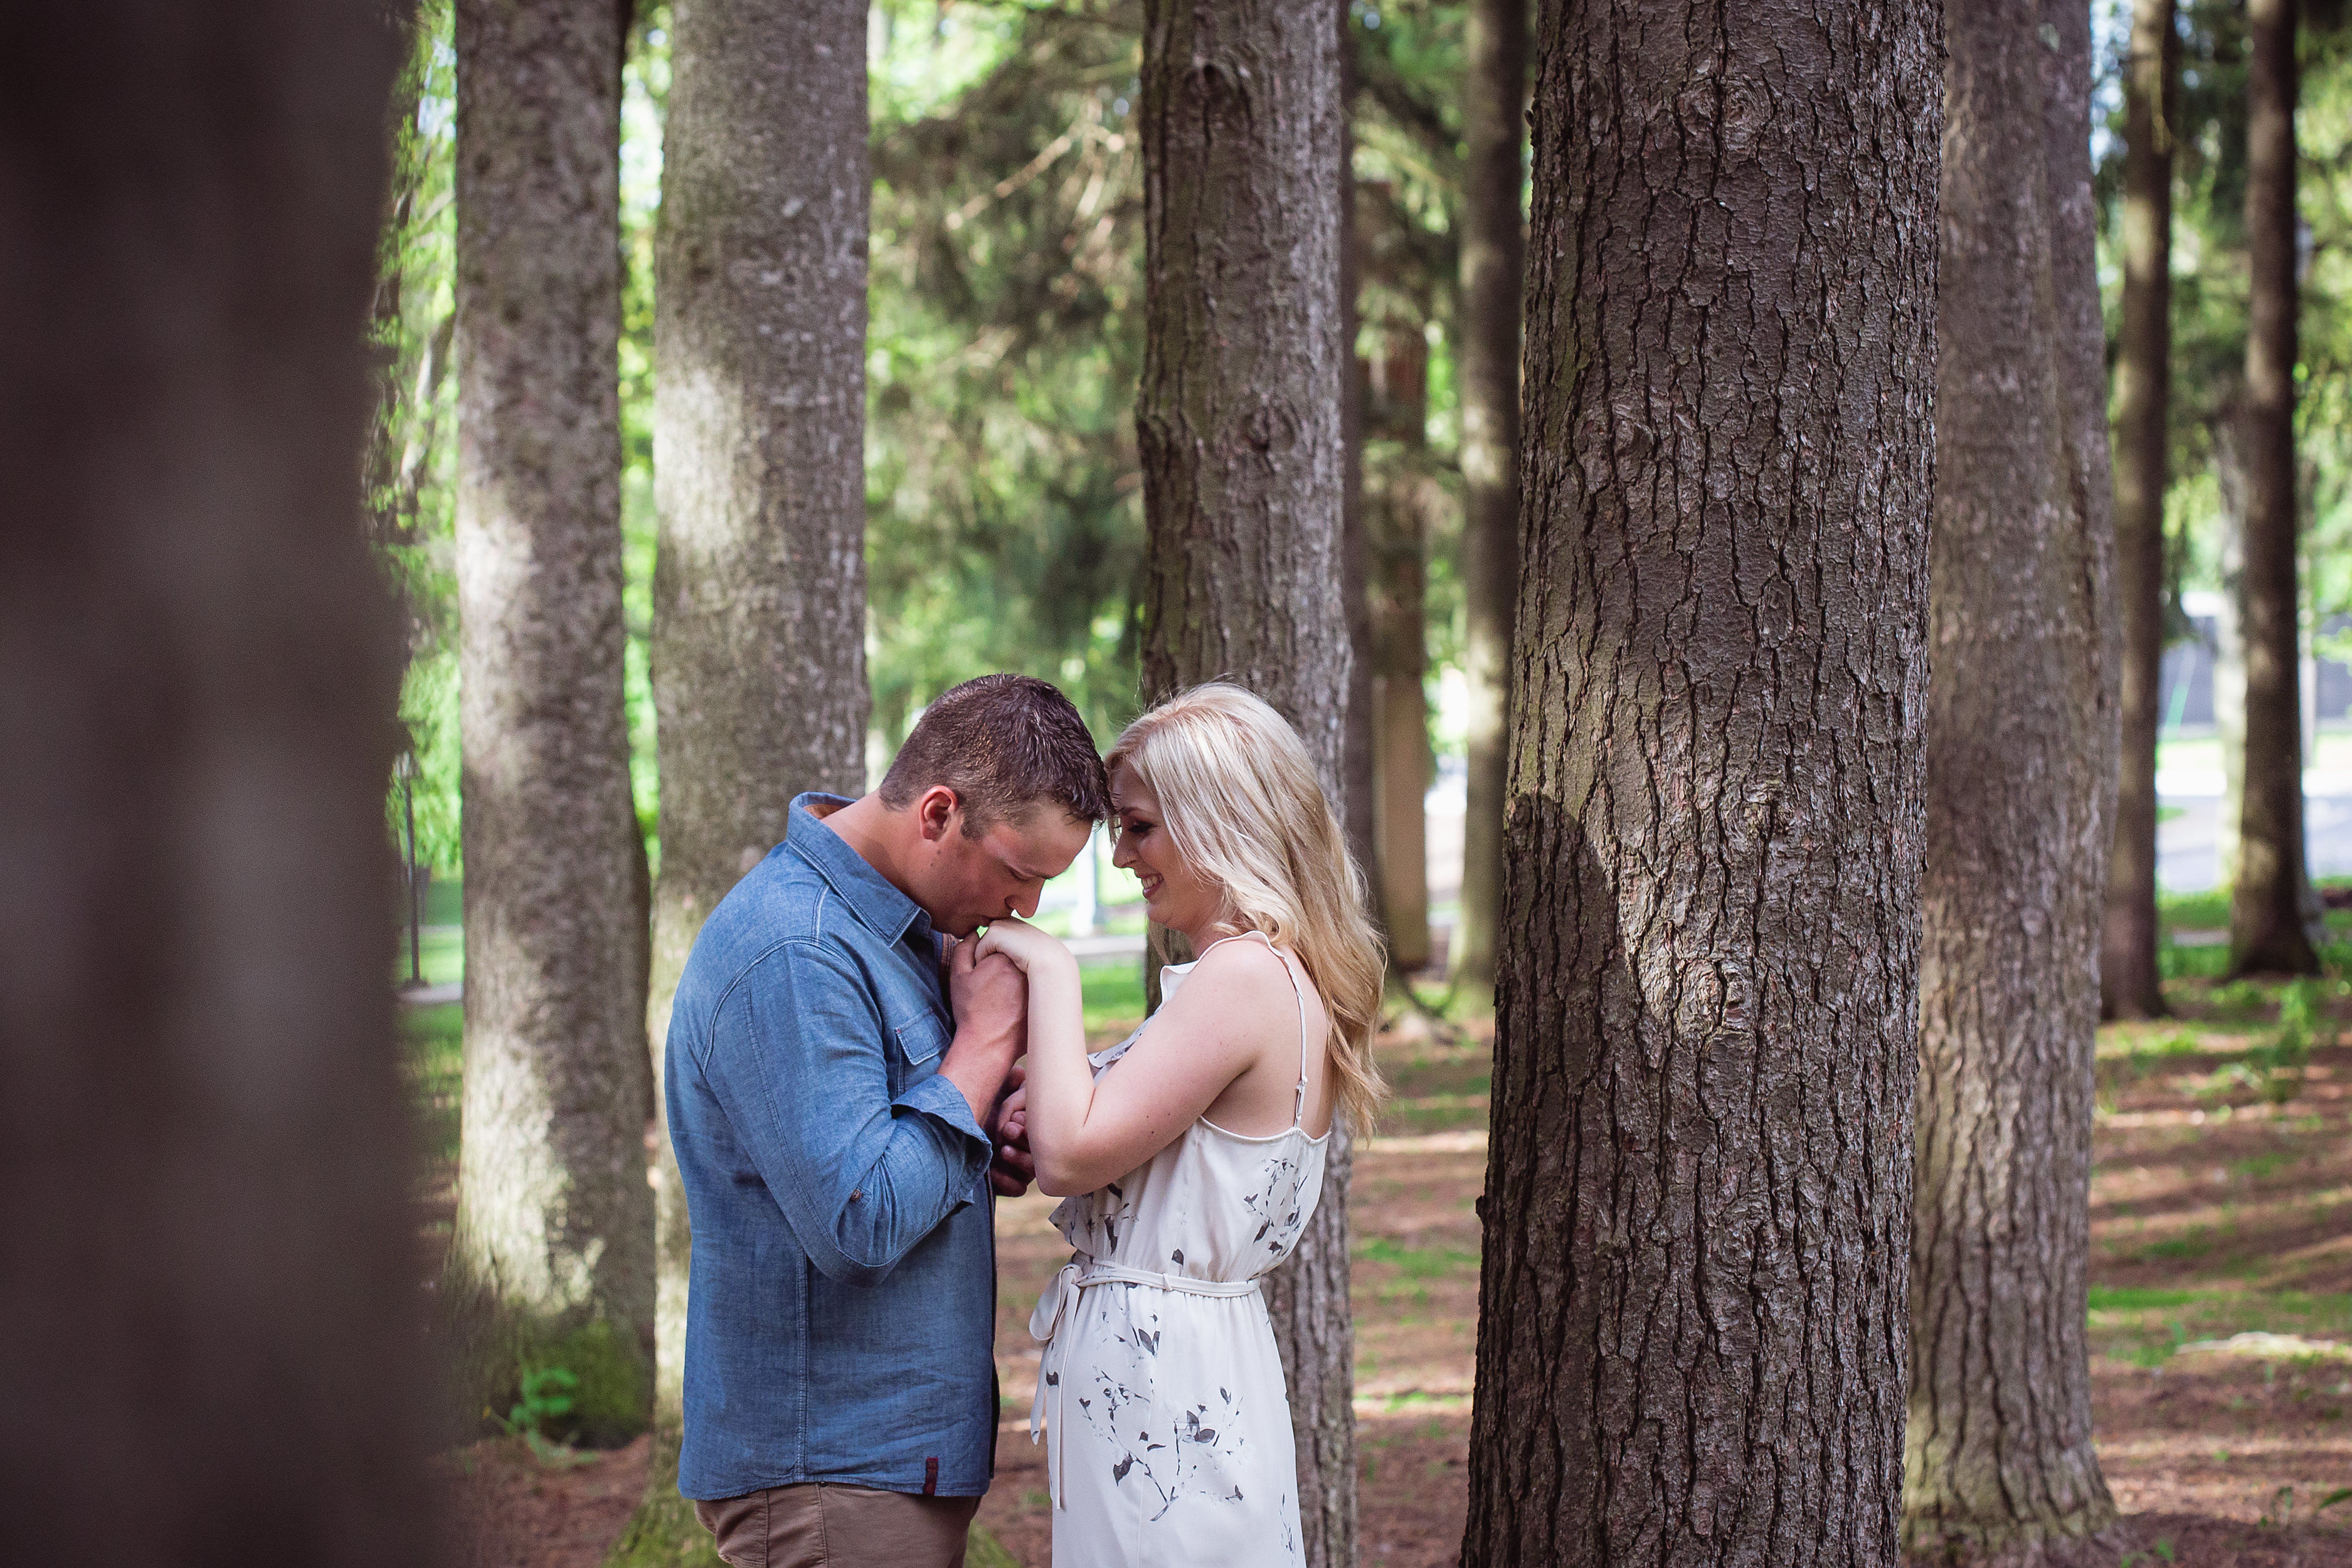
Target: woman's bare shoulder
1249, 973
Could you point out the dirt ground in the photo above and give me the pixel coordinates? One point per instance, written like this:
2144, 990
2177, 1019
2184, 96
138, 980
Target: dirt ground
2220, 1320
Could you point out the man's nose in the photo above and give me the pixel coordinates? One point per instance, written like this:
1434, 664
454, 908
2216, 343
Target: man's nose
1026, 905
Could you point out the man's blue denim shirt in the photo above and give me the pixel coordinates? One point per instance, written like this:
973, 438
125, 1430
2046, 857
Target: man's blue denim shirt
840, 1320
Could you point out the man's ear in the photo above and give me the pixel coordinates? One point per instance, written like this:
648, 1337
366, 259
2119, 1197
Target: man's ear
937, 812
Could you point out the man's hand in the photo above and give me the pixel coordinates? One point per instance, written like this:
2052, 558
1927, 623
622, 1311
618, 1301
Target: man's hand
1013, 1169
990, 999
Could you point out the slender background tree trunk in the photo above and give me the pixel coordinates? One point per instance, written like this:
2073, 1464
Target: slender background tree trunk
2021, 737
758, 647
1691, 1337
2230, 629
1493, 250
2266, 913
1239, 417
551, 1263
2130, 985
209, 1279
1397, 523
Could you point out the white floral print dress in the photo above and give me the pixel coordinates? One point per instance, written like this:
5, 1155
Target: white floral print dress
1168, 1423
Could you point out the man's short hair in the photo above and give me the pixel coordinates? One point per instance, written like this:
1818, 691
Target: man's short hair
1004, 744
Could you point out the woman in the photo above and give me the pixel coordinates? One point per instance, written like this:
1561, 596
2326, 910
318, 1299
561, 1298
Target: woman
1193, 1150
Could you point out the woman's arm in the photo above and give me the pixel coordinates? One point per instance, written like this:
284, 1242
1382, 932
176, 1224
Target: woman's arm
1236, 1010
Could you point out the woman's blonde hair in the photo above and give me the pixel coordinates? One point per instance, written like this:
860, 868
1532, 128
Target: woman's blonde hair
1242, 805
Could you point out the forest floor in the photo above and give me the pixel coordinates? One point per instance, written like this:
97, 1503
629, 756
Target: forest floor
2221, 1307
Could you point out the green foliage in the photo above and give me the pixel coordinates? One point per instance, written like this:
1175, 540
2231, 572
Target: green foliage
2209, 283
1003, 496
546, 1394
587, 1385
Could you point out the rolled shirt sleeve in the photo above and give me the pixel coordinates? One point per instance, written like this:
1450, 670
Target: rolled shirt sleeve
801, 1063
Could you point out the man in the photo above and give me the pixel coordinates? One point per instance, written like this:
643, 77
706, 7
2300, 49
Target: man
827, 1099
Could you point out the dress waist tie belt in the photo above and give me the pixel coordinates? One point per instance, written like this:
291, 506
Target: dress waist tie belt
1060, 1302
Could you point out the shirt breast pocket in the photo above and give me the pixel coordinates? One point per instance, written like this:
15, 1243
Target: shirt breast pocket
919, 1040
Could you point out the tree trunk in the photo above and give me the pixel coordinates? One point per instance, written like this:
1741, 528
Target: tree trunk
1359, 752
1239, 417
2022, 737
758, 644
1396, 522
1494, 253
1692, 1297
2130, 985
551, 1263
2230, 631
211, 1271
2266, 923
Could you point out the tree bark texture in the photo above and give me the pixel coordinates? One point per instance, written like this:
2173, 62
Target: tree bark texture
2021, 745
758, 644
210, 1270
1494, 260
2130, 985
553, 1257
2266, 926
1691, 1343
1357, 764
1397, 517
1239, 419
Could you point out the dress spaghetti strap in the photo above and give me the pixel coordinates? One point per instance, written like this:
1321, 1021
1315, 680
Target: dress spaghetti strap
1299, 1100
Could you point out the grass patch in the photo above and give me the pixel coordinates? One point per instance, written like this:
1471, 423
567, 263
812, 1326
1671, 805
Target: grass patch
1114, 992
2145, 1327
433, 1045
1416, 1262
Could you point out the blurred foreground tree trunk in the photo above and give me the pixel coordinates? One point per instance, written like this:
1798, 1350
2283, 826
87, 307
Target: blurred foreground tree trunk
2021, 738
2267, 933
759, 633
2130, 983
1239, 417
211, 1265
1691, 1295
551, 1263
1494, 252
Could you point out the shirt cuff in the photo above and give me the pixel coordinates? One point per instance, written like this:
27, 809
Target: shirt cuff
940, 1099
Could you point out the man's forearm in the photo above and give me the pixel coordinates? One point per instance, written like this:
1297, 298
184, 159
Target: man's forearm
979, 1068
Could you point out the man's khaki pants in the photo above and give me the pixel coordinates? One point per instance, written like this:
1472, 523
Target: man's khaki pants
821, 1525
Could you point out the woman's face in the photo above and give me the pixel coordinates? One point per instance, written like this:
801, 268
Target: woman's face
1174, 895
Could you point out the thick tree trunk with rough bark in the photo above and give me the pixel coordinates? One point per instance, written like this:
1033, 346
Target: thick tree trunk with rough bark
553, 1258
210, 1268
759, 662
2130, 985
2021, 737
1239, 417
2266, 915
1493, 250
1691, 1303
1357, 751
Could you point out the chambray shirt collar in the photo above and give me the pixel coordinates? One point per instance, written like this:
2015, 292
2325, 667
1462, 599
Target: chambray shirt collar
880, 907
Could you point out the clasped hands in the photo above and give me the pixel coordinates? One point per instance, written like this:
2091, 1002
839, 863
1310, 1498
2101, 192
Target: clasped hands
990, 995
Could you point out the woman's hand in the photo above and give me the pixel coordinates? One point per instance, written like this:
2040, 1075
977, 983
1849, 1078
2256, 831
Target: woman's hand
1028, 947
